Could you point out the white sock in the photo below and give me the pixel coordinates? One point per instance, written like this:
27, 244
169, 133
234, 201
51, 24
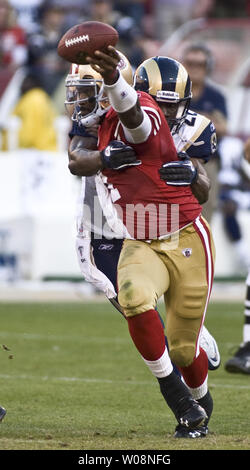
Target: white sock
200, 391
162, 366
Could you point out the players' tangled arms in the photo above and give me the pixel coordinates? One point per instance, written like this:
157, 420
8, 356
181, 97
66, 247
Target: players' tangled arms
141, 153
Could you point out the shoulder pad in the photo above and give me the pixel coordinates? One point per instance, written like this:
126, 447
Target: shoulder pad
200, 136
79, 130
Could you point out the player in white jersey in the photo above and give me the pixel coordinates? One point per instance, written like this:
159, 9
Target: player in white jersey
94, 242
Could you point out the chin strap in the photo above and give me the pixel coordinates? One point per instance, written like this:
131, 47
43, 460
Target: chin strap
92, 119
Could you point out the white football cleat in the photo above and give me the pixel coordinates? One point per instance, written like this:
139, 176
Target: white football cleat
208, 343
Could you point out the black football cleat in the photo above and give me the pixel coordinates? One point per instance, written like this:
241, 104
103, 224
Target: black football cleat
2, 413
194, 415
182, 432
240, 362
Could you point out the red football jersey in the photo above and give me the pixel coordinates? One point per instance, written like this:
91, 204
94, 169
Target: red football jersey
148, 206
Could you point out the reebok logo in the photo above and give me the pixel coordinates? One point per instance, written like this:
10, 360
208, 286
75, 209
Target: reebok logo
105, 247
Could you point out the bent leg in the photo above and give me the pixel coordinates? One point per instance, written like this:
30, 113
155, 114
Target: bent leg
142, 278
191, 277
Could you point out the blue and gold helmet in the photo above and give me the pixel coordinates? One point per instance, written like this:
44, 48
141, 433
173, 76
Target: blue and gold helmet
167, 81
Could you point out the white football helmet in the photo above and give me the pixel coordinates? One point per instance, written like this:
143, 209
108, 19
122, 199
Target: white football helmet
85, 98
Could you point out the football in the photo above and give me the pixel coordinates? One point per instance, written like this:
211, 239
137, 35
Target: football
83, 39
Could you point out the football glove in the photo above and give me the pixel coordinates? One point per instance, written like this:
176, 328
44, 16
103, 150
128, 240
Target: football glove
179, 173
117, 155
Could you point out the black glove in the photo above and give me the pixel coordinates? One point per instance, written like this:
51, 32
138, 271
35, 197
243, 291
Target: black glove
179, 173
118, 155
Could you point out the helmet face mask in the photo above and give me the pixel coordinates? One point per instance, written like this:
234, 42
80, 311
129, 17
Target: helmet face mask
167, 81
85, 100
84, 94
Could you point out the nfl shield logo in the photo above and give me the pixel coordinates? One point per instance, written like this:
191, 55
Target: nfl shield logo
187, 252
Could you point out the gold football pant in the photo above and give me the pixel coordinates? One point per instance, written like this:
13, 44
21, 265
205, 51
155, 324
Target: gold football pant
183, 274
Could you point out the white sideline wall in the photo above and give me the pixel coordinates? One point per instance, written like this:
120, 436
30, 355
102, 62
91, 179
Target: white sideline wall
37, 217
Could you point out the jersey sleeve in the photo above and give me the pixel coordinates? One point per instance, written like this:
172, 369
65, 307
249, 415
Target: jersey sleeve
203, 143
150, 107
79, 130
150, 124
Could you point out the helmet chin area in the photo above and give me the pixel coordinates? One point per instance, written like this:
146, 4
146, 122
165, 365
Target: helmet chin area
91, 119
175, 113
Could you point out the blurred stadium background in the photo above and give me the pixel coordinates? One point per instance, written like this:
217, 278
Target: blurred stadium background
38, 194
54, 364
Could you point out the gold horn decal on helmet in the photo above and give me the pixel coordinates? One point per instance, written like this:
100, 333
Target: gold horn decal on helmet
154, 77
181, 81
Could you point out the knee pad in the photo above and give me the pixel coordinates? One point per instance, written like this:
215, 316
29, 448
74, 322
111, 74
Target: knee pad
182, 346
182, 356
135, 298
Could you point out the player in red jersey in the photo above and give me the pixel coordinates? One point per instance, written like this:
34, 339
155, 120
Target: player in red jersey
144, 186
148, 268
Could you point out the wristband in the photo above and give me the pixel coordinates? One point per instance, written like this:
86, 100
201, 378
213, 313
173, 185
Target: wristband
121, 95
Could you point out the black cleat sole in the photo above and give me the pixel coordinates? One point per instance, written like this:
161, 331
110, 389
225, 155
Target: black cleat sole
2, 413
182, 432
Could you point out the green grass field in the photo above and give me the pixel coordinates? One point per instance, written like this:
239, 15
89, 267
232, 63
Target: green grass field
70, 378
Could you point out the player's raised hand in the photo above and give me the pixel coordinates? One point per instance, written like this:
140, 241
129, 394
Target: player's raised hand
106, 63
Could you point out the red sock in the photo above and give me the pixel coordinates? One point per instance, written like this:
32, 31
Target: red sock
148, 335
195, 374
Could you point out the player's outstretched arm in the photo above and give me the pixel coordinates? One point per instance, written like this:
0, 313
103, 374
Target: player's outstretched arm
122, 97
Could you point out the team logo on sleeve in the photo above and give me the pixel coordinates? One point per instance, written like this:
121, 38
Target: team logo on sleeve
213, 142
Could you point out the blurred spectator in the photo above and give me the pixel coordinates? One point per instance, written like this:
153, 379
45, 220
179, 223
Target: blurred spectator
13, 45
208, 100
134, 8
130, 33
171, 14
74, 10
27, 13
43, 57
37, 114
